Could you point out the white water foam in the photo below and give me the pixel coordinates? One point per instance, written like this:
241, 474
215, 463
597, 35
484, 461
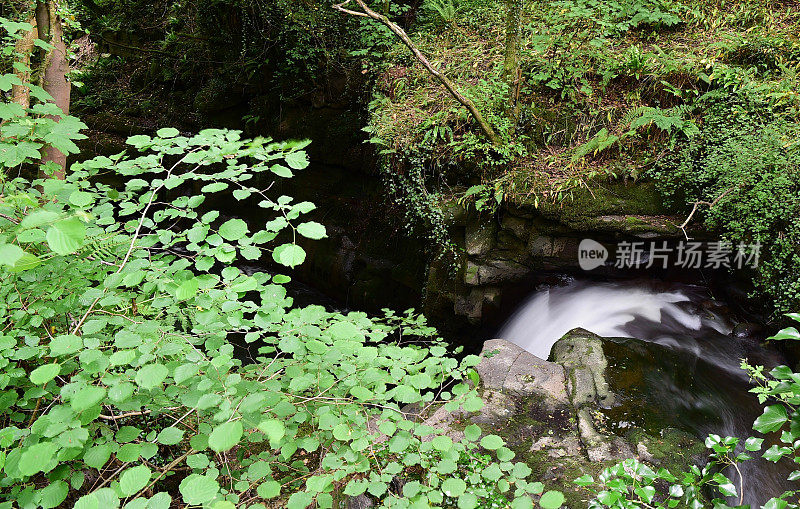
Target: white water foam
607, 309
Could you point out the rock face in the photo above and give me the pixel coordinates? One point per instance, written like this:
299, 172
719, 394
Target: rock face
527, 240
581, 354
549, 413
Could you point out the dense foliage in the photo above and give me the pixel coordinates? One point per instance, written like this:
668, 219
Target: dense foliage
606, 90
127, 376
145, 363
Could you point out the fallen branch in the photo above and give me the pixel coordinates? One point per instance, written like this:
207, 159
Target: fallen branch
698, 203
449, 85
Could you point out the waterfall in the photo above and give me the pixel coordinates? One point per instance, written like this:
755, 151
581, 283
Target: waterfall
693, 372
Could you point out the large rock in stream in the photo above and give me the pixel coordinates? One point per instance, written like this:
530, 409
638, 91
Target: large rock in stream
552, 413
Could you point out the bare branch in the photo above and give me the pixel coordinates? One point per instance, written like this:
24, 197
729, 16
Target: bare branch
444, 80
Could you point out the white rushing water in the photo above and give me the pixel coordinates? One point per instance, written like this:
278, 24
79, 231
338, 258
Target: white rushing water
607, 309
704, 390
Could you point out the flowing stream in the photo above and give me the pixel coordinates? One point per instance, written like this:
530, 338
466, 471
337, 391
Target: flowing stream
673, 355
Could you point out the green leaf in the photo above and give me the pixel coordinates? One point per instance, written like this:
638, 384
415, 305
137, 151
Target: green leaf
551, 500
281, 171
139, 140
65, 344
14, 154
10, 110
787, 333
81, 198
8, 80
170, 436
10, 254
269, 489
472, 432
133, 480
214, 187
454, 487
225, 436
753, 444
35, 458
296, 160
198, 489
772, 419
54, 494
311, 230
467, 501
151, 376
187, 289
97, 456
66, 236
45, 373
87, 397
491, 442
233, 229
290, 255
167, 132
273, 428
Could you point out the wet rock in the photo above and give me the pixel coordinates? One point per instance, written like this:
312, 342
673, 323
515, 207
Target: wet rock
494, 272
508, 367
516, 225
558, 447
747, 330
479, 238
581, 354
360, 502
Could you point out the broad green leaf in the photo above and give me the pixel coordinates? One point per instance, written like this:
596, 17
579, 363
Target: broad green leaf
66, 236
151, 375
269, 489
551, 500
296, 160
491, 442
167, 132
281, 171
311, 230
134, 479
54, 494
87, 397
81, 198
225, 436
36, 458
454, 487
273, 428
198, 489
187, 289
65, 344
472, 432
170, 436
97, 456
45, 373
773, 418
10, 254
233, 229
289, 255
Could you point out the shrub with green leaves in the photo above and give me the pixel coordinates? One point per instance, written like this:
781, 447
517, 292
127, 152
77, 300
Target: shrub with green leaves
120, 378
749, 161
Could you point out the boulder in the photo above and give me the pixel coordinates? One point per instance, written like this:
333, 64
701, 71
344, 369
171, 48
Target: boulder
508, 367
492, 272
479, 238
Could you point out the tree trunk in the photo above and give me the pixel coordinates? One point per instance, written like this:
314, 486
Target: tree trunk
449, 85
54, 81
21, 94
511, 63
